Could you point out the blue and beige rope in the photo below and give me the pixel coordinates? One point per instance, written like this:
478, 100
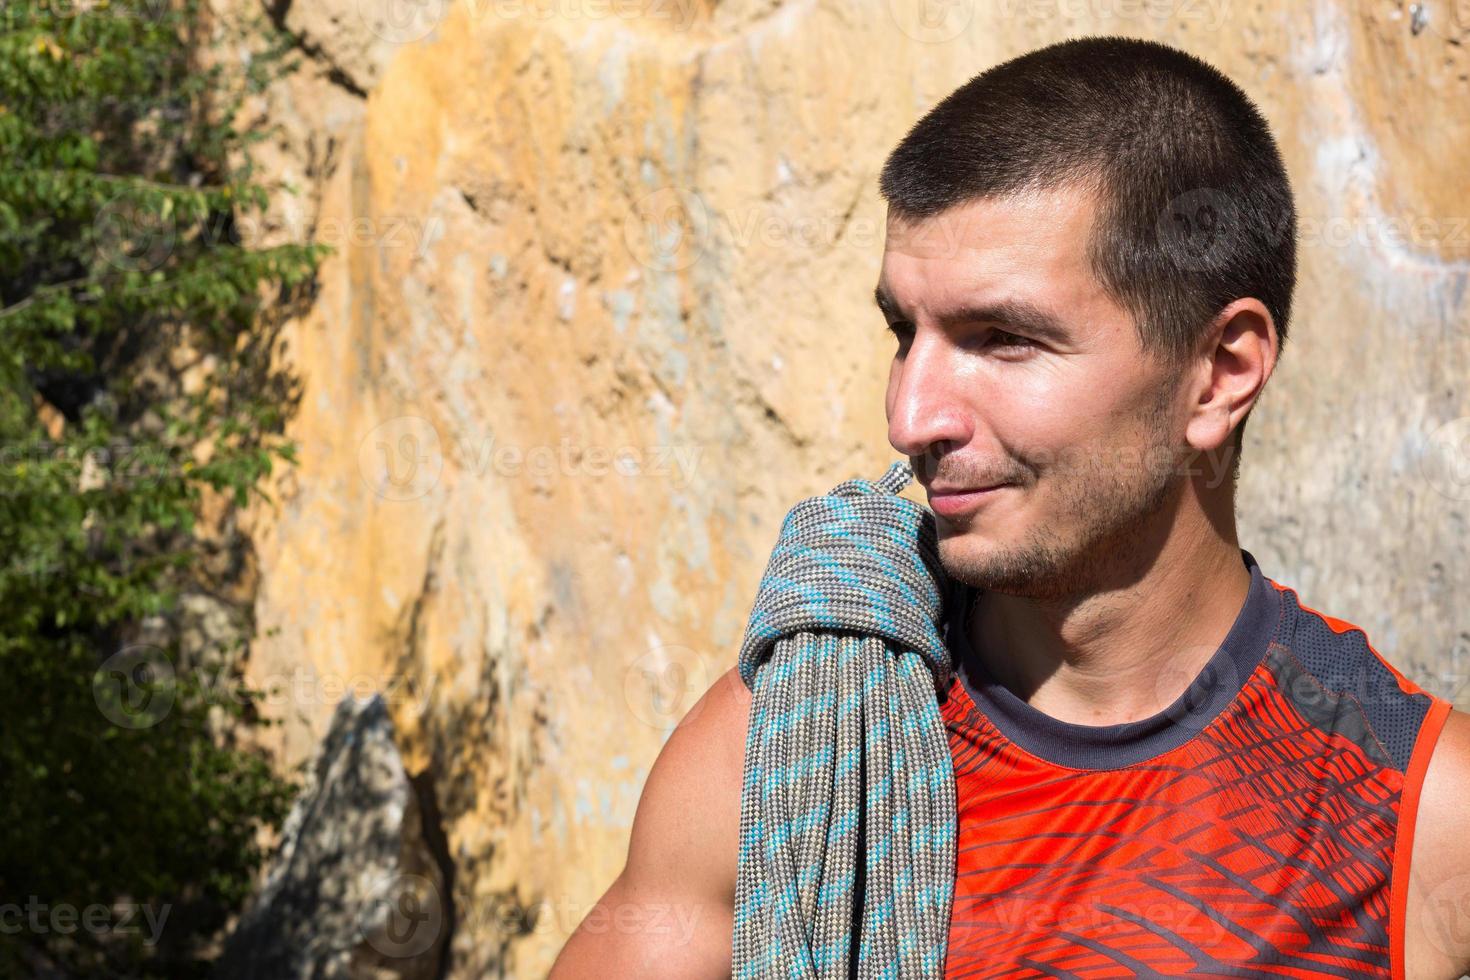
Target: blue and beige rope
846, 757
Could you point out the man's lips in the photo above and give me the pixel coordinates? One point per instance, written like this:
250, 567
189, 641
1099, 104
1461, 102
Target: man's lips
946, 491
955, 501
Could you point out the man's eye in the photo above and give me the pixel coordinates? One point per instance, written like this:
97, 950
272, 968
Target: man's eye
1007, 339
993, 338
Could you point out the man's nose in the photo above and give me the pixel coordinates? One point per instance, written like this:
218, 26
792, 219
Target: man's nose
927, 418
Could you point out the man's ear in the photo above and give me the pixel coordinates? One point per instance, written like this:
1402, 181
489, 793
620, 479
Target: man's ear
1237, 355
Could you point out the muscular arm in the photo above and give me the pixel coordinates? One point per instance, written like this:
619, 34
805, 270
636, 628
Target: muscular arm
670, 912
1437, 925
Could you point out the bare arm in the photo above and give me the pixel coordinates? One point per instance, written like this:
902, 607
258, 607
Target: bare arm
1436, 937
670, 913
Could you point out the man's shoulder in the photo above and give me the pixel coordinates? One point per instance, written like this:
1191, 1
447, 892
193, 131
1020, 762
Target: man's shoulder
717, 723
670, 913
714, 728
1336, 676
708, 743
690, 807
1437, 913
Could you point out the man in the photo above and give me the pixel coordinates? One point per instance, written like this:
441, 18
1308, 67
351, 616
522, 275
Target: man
1165, 763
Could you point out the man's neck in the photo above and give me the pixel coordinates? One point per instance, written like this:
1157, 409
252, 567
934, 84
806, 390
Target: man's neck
1119, 654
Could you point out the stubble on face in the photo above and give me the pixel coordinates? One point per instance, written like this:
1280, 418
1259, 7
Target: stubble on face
1105, 512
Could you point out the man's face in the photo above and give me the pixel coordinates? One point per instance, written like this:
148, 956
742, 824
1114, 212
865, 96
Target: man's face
1014, 367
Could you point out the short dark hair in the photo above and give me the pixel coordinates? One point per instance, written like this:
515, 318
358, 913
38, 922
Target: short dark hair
1195, 209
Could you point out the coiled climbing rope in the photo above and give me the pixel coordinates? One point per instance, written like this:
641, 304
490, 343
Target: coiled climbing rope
847, 808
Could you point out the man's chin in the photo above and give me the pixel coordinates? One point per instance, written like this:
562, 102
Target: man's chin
960, 558
981, 564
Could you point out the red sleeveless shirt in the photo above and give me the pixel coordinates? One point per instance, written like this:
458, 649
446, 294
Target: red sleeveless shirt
1259, 826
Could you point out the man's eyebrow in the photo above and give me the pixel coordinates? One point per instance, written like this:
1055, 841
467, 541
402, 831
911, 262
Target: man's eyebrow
885, 302
1026, 317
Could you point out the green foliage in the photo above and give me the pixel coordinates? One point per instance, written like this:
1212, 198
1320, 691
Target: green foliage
131, 313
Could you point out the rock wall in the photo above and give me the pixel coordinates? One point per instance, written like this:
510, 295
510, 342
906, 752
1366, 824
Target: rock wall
600, 312
355, 889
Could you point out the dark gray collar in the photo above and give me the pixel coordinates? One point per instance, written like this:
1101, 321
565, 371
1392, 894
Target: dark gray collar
1112, 746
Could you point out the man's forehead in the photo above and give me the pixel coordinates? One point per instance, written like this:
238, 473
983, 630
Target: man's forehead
1033, 244
950, 235
1039, 278
1058, 218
